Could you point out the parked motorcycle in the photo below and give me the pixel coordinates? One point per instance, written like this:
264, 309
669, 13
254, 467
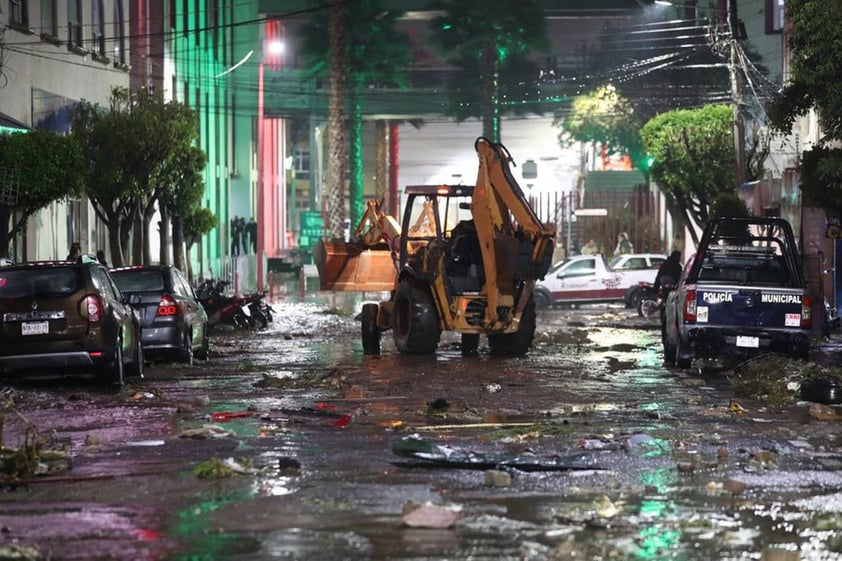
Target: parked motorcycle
221, 308
243, 312
260, 311
652, 301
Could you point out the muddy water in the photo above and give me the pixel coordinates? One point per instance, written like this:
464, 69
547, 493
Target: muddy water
672, 471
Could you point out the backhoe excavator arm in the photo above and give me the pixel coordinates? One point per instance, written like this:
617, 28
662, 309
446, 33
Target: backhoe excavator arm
503, 216
376, 226
362, 265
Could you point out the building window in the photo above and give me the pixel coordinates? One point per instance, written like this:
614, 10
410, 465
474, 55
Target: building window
775, 15
74, 22
97, 28
301, 162
18, 13
49, 20
119, 36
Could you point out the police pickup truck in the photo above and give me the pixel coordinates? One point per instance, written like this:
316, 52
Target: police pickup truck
743, 293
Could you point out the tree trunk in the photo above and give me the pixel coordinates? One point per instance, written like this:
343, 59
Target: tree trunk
490, 94
355, 127
118, 254
381, 160
337, 161
189, 269
178, 243
125, 230
394, 190
137, 224
164, 227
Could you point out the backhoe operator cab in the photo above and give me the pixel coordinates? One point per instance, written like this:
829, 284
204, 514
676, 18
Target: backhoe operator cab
465, 258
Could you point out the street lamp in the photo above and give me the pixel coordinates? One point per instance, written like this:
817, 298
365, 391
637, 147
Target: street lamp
271, 198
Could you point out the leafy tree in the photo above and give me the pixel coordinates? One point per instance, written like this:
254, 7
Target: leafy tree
694, 160
488, 42
132, 151
604, 117
366, 50
815, 78
186, 172
196, 223
36, 168
729, 205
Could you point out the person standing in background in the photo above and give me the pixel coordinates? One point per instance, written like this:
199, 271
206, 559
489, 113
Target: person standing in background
75, 252
590, 248
100, 256
624, 246
251, 228
235, 236
244, 238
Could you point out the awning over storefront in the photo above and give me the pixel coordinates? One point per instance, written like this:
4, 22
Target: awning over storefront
9, 125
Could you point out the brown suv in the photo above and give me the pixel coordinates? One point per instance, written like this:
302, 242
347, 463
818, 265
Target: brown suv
63, 316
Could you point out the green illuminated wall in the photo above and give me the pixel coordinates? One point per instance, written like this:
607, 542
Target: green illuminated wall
204, 40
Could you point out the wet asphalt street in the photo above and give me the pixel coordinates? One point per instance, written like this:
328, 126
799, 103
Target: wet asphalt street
658, 463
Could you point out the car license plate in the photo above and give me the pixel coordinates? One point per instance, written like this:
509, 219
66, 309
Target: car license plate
34, 327
744, 341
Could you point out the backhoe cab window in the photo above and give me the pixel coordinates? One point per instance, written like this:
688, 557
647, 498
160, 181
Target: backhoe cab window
451, 211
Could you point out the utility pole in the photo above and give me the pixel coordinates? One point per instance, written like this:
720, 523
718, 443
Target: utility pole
735, 73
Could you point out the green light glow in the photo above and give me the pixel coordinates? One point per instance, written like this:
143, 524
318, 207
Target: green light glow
654, 541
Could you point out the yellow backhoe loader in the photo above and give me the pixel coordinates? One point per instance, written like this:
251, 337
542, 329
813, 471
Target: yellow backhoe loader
464, 259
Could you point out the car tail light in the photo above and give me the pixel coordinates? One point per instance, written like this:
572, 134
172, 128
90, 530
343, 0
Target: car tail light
167, 306
806, 311
690, 306
92, 308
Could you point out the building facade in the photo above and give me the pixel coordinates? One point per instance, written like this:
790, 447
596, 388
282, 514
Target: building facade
54, 53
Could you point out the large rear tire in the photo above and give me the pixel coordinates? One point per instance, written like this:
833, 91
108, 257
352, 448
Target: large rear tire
415, 321
519, 342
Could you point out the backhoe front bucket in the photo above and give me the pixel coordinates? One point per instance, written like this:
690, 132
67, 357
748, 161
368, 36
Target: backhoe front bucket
352, 268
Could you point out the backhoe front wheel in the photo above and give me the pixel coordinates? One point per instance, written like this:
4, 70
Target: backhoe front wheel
415, 321
517, 343
370, 330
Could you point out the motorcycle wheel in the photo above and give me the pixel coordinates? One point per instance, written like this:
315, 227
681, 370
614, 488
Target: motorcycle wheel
647, 307
258, 320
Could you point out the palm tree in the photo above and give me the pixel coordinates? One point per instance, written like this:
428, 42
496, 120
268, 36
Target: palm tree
488, 42
366, 49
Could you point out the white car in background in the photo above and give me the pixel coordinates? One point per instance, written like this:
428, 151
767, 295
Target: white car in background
591, 278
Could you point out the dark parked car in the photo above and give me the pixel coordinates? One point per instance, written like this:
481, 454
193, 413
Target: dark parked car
63, 316
175, 324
